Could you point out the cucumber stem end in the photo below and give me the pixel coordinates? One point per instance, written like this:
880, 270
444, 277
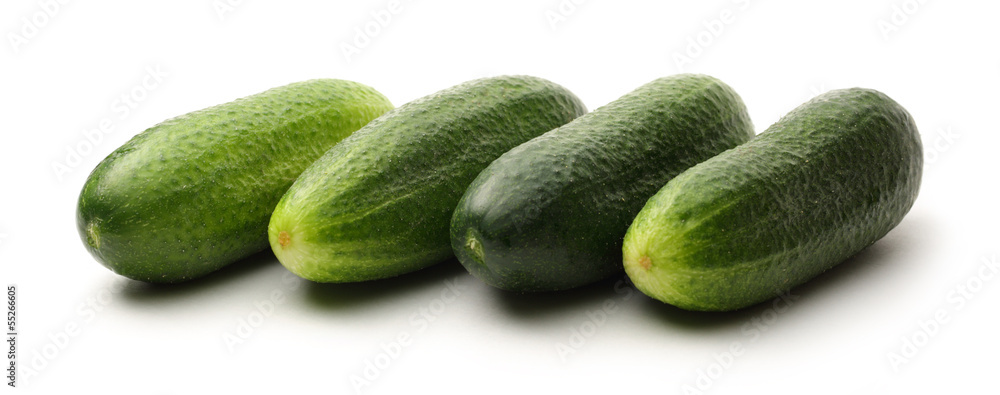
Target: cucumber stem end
93, 236
645, 263
284, 238
475, 247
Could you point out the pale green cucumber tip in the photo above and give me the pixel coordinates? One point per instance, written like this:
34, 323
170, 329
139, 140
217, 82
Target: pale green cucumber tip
300, 256
650, 266
286, 243
93, 236
474, 247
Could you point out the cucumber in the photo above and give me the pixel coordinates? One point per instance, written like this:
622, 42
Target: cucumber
194, 193
830, 178
378, 204
551, 214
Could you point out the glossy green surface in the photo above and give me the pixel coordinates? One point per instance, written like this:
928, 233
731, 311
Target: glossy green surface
194, 193
551, 213
824, 182
379, 204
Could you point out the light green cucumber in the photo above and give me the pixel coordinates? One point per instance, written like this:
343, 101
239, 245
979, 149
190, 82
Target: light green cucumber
379, 204
824, 182
194, 193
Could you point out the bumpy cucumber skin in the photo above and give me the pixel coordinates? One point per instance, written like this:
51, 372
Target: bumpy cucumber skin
551, 214
194, 193
379, 204
830, 178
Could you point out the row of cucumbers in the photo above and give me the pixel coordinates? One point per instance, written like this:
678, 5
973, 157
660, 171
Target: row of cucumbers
513, 176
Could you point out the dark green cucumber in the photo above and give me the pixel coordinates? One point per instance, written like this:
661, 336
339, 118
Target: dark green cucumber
824, 182
378, 204
194, 193
551, 213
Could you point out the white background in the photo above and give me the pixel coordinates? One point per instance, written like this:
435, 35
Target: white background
63, 72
